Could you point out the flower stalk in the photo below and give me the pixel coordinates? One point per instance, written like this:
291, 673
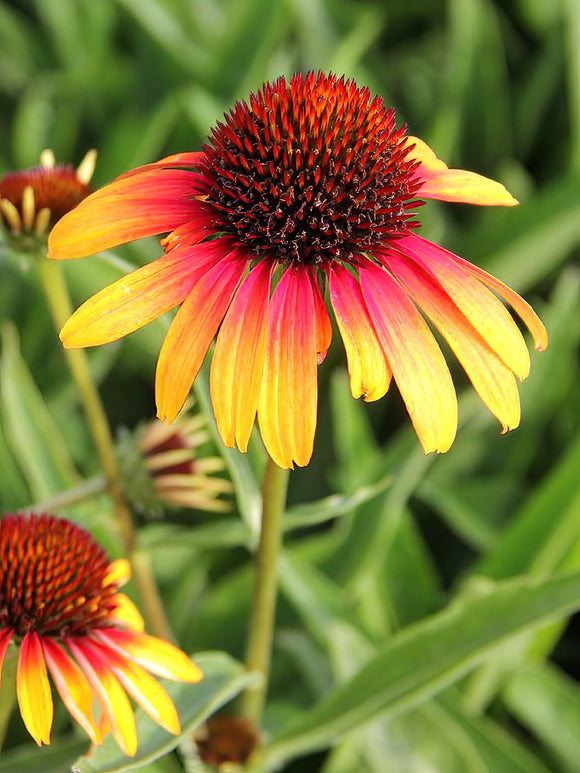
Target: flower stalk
259, 644
60, 307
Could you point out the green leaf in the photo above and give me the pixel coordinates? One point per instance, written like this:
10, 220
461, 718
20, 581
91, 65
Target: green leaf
326, 509
33, 437
223, 679
56, 758
542, 531
426, 657
547, 702
498, 750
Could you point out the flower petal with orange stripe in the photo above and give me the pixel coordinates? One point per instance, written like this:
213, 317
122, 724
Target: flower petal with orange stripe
307, 186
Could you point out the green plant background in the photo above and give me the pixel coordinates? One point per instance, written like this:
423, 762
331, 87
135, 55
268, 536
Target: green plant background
422, 624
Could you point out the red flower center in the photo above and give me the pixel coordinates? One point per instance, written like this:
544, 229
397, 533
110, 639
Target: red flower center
57, 188
52, 577
312, 171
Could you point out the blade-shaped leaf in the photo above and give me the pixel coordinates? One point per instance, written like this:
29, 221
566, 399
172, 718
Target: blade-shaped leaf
30, 432
547, 702
427, 656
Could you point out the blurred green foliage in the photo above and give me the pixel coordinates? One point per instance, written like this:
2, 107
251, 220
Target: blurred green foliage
398, 548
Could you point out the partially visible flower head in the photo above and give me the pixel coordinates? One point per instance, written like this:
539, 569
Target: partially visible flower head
303, 198
161, 466
226, 742
60, 605
33, 200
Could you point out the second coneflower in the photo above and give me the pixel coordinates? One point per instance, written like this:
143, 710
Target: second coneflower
309, 187
33, 200
61, 609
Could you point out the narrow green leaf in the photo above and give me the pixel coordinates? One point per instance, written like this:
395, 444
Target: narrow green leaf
541, 533
33, 437
333, 506
223, 679
56, 758
426, 657
498, 750
547, 702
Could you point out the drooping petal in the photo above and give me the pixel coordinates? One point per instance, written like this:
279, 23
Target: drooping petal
73, 688
158, 656
146, 691
33, 689
518, 304
238, 358
288, 396
416, 361
139, 297
111, 697
126, 613
192, 331
440, 182
468, 287
5, 638
491, 378
323, 323
370, 374
132, 207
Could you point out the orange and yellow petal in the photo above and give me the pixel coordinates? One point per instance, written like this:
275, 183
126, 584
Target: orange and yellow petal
323, 323
158, 656
33, 689
468, 287
112, 698
118, 573
491, 378
416, 361
126, 613
238, 358
73, 688
288, 396
458, 185
184, 160
370, 374
146, 691
131, 207
192, 331
518, 304
137, 298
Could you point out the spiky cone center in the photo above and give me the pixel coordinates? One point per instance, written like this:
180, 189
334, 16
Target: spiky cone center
53, 578
312, 171
57, 189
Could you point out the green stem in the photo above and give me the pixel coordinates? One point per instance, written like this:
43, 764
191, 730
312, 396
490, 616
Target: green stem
60, 306
87, 489
61, 309
8, 691
259, 645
